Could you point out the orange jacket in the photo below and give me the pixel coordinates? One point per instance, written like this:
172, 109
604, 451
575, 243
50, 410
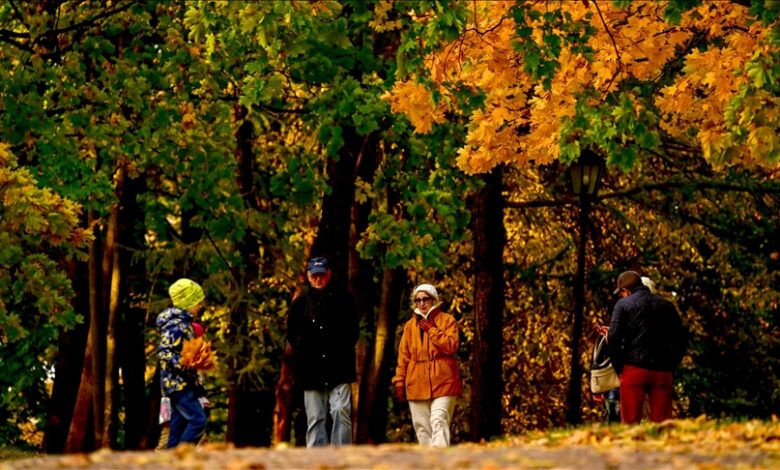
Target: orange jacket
427, 365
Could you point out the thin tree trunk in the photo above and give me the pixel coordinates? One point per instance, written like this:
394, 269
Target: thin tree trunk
489, 242
70, 361
248, 408
381, 367
88, 410
81, 433
111, 293
361, 284
96, 333
151, 432
283, 398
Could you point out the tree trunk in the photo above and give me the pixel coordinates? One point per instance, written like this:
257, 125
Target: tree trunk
361, 283
574, 394
70, 359
489, 241
374, 405
88, 410
111, 296
151, 432
283, 394
332, 241
130, 343
249, 408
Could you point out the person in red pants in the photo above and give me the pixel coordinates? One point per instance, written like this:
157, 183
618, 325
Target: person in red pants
647, 341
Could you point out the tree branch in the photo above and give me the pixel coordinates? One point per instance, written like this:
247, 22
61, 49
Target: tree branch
19, 14
614, 44
696, 185
8, 40
233, 271
7, 33
94, 19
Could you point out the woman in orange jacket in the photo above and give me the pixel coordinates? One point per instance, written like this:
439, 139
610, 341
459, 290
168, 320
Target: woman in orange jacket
428, 374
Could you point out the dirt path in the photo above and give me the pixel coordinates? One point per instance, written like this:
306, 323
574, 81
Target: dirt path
405, 456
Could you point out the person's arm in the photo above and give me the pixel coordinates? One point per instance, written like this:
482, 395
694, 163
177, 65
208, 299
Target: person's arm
172, 336
404, 356
294, 322
444, 337
615, 331
615, 336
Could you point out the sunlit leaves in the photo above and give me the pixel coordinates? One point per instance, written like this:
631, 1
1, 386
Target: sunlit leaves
38, 228
585, 54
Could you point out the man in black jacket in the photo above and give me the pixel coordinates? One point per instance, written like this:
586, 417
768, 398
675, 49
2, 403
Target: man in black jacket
647, 341
322, 329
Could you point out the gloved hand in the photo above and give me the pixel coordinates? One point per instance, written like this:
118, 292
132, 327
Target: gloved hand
425, 324
400, 393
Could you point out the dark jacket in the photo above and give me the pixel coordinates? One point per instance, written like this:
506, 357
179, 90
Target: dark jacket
646, 331
175, 327
322, 329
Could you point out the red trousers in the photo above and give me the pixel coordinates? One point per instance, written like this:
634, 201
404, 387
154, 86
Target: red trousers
635, 384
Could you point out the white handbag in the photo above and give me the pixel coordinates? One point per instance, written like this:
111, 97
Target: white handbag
603, 377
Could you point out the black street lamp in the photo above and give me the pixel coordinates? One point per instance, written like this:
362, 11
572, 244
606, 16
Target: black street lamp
585, 178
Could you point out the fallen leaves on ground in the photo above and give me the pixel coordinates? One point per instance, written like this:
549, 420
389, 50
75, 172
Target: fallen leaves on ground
690, 443
701, 431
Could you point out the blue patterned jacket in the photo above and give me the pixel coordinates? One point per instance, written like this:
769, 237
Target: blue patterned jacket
174, 326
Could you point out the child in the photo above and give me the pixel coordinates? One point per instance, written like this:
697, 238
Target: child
180, 383
165, 402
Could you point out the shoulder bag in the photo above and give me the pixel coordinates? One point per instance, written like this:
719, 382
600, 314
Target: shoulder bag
603, 377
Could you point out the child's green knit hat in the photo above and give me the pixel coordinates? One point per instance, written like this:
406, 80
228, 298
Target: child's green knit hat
186, 293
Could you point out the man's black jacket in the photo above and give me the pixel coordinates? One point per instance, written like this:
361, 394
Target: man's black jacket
322, 329
646, 331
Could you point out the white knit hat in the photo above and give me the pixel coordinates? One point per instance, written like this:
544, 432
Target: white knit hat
649, 283
428, 289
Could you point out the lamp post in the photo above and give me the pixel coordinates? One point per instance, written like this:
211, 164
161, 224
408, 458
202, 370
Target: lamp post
585, 178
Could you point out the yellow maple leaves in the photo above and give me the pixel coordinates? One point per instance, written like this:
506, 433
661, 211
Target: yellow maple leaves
521, 120
198, 354
6, 158
416, 101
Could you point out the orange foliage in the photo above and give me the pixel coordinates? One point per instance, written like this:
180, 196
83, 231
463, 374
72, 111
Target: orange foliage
197, 354
521, 120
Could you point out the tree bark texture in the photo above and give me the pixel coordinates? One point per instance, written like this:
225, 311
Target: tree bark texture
70, 360
489, 241
130, 343
283, 395
111, 277
361, 275
89, 403
332, 240
380, 370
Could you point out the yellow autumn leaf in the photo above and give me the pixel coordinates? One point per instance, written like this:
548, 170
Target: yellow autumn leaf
198, 354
